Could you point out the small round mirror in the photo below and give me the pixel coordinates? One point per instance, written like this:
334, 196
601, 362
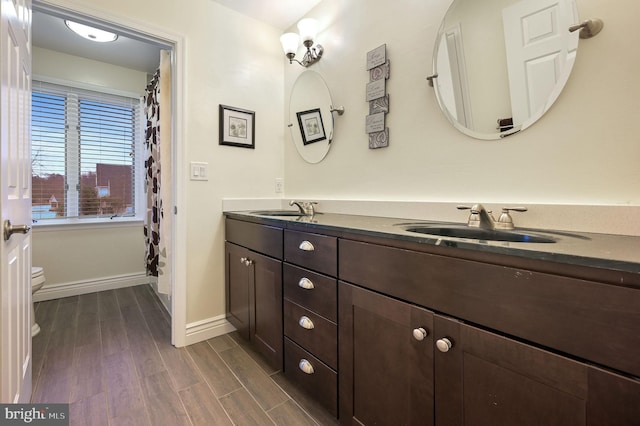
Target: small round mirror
499, 65
310, 119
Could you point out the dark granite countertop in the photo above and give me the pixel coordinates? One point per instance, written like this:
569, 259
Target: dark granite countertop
605, 251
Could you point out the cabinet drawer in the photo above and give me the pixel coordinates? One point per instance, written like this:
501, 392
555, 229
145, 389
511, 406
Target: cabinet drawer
313, 251
321, 298
321, 340
263, 239
322, 384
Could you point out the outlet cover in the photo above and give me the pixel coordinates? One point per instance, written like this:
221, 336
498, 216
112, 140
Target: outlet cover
279, 188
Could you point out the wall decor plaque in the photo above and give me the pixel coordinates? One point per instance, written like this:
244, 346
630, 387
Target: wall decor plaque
375, 123
377, 56
379, 105
376, 89
379, 139
376, 94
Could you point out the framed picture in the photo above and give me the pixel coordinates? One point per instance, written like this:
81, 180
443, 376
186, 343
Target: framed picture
311, 126
237, 127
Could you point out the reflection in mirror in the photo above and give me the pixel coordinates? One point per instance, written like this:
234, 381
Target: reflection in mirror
500, 64
310, 119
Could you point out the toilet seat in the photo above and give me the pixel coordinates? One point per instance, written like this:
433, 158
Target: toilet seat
37, 276
37, 281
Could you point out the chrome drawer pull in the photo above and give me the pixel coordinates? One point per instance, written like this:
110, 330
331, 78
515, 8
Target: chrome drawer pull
305, 366
306, 246
305, 322
306, 283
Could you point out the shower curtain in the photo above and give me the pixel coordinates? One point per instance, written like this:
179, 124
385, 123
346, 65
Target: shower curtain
157, 229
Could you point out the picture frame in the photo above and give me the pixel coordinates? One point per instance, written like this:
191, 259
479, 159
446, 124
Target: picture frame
311, 126
237, 127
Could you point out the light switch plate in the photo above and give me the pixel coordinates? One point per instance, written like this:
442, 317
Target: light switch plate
199, 171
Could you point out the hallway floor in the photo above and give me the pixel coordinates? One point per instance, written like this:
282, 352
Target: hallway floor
109, 355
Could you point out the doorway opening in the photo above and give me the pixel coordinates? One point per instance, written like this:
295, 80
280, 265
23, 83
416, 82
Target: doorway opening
59, 58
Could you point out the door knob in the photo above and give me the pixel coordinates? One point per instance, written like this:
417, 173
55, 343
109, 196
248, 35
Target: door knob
10, 229
444, 344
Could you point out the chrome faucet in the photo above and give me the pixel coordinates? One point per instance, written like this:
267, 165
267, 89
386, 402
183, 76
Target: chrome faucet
305, 207
482, 218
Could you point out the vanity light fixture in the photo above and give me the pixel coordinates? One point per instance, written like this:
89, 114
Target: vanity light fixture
90, 33
308, 29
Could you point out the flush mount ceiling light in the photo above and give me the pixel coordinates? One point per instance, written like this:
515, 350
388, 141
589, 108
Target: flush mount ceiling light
90, 33
308, 29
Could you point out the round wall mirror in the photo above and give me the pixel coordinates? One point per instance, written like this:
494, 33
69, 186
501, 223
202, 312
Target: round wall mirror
499, 65
310, 119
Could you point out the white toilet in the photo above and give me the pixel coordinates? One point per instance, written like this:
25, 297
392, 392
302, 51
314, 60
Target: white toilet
37, 281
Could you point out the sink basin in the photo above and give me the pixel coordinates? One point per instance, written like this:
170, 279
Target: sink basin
278, 213
479, 233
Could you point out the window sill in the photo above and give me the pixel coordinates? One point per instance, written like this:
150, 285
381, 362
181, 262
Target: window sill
44, 225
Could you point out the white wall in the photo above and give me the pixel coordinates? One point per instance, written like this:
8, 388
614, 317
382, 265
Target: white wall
585, 150
85, 256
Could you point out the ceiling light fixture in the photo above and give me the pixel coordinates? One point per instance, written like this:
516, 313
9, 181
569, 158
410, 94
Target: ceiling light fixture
90, 33
308, 29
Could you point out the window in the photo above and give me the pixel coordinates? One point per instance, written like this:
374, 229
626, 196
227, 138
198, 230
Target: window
84, 149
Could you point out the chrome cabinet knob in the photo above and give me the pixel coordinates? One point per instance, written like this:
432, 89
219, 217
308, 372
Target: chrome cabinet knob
246, 261
306, 246
444, 344
305, 322
306, 283
420, 333
305, 366
243, 259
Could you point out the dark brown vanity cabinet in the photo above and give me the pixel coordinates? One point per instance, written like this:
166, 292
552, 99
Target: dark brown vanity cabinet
401, 333
310, 315
253, 278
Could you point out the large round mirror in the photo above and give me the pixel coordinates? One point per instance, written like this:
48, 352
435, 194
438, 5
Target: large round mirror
500, 64
310, 119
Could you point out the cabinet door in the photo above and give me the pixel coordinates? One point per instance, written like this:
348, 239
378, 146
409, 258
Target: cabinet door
487, 379
614, 400
237, 287
265, 285
386, 374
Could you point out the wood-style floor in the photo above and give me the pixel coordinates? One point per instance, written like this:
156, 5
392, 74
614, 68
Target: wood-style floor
109, 355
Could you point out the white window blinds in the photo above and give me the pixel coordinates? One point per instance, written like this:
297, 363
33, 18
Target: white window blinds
83, 153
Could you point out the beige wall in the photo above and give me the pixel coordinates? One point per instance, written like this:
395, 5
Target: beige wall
585, 150
65, 67
88, 253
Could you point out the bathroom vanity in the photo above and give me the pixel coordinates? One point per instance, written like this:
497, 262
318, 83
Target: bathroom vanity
385, 326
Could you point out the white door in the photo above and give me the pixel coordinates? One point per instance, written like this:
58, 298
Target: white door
539, 51
15, 201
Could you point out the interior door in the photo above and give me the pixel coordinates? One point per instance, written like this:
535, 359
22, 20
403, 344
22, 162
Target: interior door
539, 47
15, 201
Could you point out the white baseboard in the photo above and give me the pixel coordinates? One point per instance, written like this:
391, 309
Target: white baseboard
58, 291
207, 329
